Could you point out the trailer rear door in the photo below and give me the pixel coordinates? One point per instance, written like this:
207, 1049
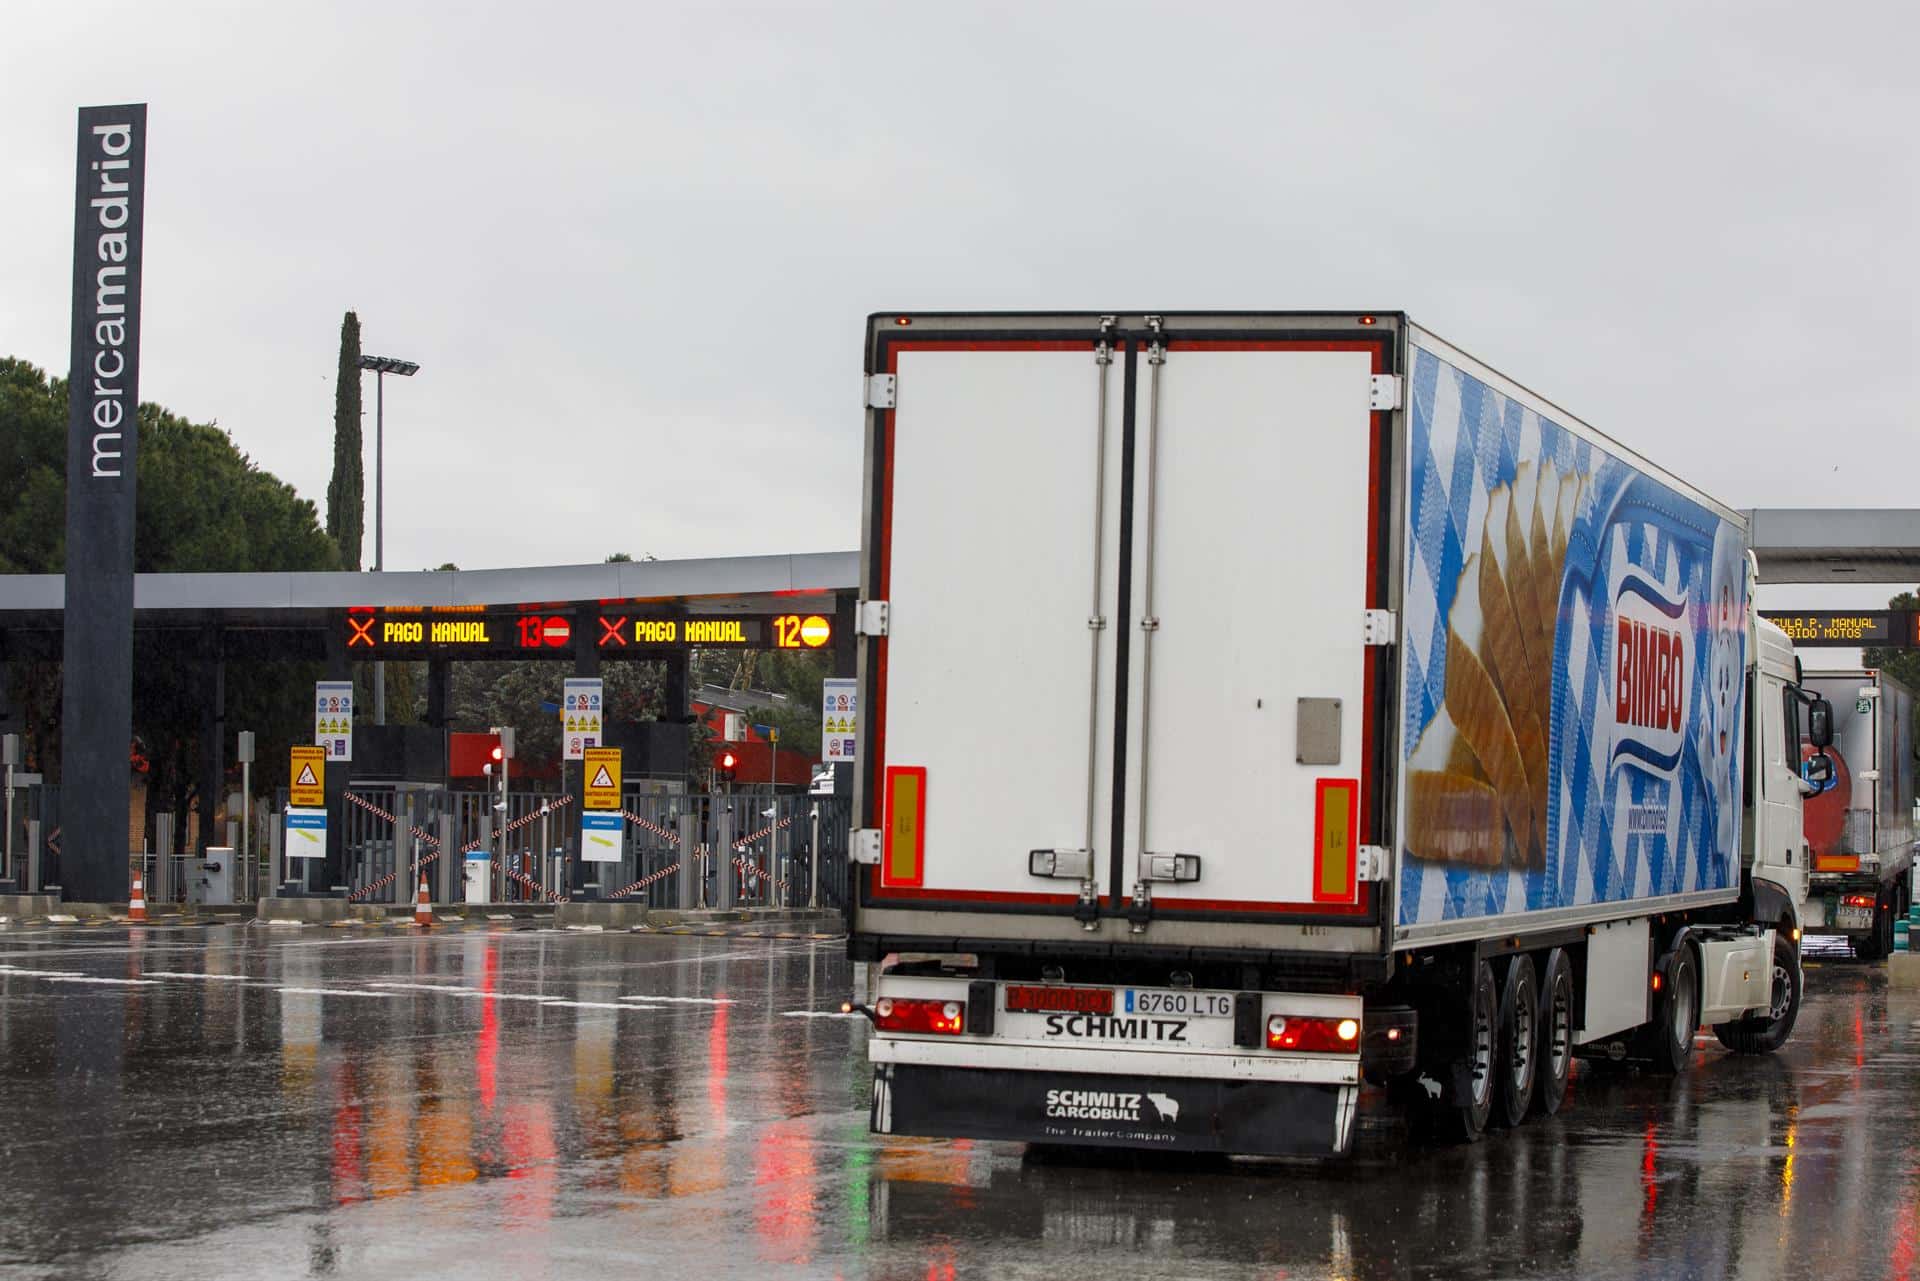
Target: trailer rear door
1255, 548
990, 715
1131, 554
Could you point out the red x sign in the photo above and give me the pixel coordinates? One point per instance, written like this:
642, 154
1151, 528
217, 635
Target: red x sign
362, 632
612, 631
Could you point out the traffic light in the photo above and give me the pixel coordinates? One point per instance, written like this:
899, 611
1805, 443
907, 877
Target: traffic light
725, 764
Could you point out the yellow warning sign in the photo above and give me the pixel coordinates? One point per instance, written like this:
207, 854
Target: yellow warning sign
309, 774
603, 778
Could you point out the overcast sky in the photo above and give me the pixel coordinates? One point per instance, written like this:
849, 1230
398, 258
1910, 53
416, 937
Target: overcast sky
633, 246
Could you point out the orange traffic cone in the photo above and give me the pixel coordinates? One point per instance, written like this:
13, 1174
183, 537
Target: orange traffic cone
422, 908
137, 899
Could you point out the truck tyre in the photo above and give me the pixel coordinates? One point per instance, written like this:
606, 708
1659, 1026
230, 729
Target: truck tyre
1460, 1113
1668, 1039
1517, 1044
1555, 1019
1768, 1032
1877, 945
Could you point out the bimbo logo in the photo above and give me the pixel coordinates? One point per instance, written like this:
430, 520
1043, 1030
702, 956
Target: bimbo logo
1652, 664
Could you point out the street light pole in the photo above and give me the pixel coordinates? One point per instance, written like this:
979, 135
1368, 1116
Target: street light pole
381, 366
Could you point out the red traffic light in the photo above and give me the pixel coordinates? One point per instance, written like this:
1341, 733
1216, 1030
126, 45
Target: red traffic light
727, 760
497, 753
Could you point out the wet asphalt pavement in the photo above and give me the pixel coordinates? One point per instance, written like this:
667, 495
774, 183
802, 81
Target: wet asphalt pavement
251, 1102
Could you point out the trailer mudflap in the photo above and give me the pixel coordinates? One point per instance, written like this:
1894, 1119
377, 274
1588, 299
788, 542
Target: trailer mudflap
1175, 1114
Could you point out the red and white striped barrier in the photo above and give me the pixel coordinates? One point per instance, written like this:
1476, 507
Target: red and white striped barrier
381, 883
764, 832
666, 834
521, 878
645, 881
752, 869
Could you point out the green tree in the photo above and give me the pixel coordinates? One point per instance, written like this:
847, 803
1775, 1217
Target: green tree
346, 492
521, 694
33, 458
1901, 664
202, 505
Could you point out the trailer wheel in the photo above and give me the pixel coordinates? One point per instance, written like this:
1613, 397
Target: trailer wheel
1676, 1015
1765, 1034
1517, 1059
1556, 1034
1879, 944
1456, 1108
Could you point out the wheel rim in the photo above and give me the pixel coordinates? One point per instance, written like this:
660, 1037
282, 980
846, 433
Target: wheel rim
1782, 992
1521, 1065
1681, 1014
1482, 1046
1560, 1029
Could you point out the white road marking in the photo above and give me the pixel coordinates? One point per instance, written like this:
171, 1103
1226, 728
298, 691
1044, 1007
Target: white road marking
207, 978
333, 991
679, 1000
594, 1005
469, 992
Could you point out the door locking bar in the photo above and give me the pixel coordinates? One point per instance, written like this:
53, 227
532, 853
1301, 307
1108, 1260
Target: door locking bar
1087, 909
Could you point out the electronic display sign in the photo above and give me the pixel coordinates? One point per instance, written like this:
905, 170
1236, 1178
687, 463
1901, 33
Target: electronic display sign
450, 633
1859, 627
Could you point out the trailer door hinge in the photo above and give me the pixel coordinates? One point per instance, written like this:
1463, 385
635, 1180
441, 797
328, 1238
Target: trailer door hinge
865, 846
1378, 627
1372, 863
1384, 392
881, 390
870, 618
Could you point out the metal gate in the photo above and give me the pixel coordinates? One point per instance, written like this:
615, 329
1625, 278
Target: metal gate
737, 850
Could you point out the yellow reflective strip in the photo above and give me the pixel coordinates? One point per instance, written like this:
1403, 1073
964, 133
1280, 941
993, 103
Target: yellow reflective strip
1335, 861
903, 820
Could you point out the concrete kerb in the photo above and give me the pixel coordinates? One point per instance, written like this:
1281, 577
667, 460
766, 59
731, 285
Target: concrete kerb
325, 911
629, 916
22, 908
606, 915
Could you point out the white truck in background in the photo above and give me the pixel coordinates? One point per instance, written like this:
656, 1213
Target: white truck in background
1860, 824
1260, 704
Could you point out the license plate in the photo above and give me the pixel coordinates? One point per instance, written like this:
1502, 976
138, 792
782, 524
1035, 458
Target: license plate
1177, 1003
1854, 918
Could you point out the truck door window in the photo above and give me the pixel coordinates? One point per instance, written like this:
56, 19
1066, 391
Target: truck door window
1790, 709
1747, 751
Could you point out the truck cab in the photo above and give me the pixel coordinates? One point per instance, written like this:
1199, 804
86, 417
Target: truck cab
1860, 815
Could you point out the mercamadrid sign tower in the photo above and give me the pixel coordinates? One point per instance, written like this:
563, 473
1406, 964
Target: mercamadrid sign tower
103, 398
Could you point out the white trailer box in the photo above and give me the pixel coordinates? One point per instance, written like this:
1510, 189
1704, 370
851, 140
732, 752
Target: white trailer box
1270, 647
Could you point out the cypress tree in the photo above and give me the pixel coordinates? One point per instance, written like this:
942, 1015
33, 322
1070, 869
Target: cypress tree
346, 492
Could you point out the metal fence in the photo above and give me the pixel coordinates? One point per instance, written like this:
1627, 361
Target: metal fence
35, 839
707, 850
714, 850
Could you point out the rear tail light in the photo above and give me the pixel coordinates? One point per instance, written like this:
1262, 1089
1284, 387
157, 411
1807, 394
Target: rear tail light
1859, 900
909, 1014
1313, 1035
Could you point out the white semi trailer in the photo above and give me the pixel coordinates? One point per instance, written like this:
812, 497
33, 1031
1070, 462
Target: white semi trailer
1256, 705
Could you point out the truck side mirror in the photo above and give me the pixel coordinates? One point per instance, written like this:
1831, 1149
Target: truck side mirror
1820, 723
